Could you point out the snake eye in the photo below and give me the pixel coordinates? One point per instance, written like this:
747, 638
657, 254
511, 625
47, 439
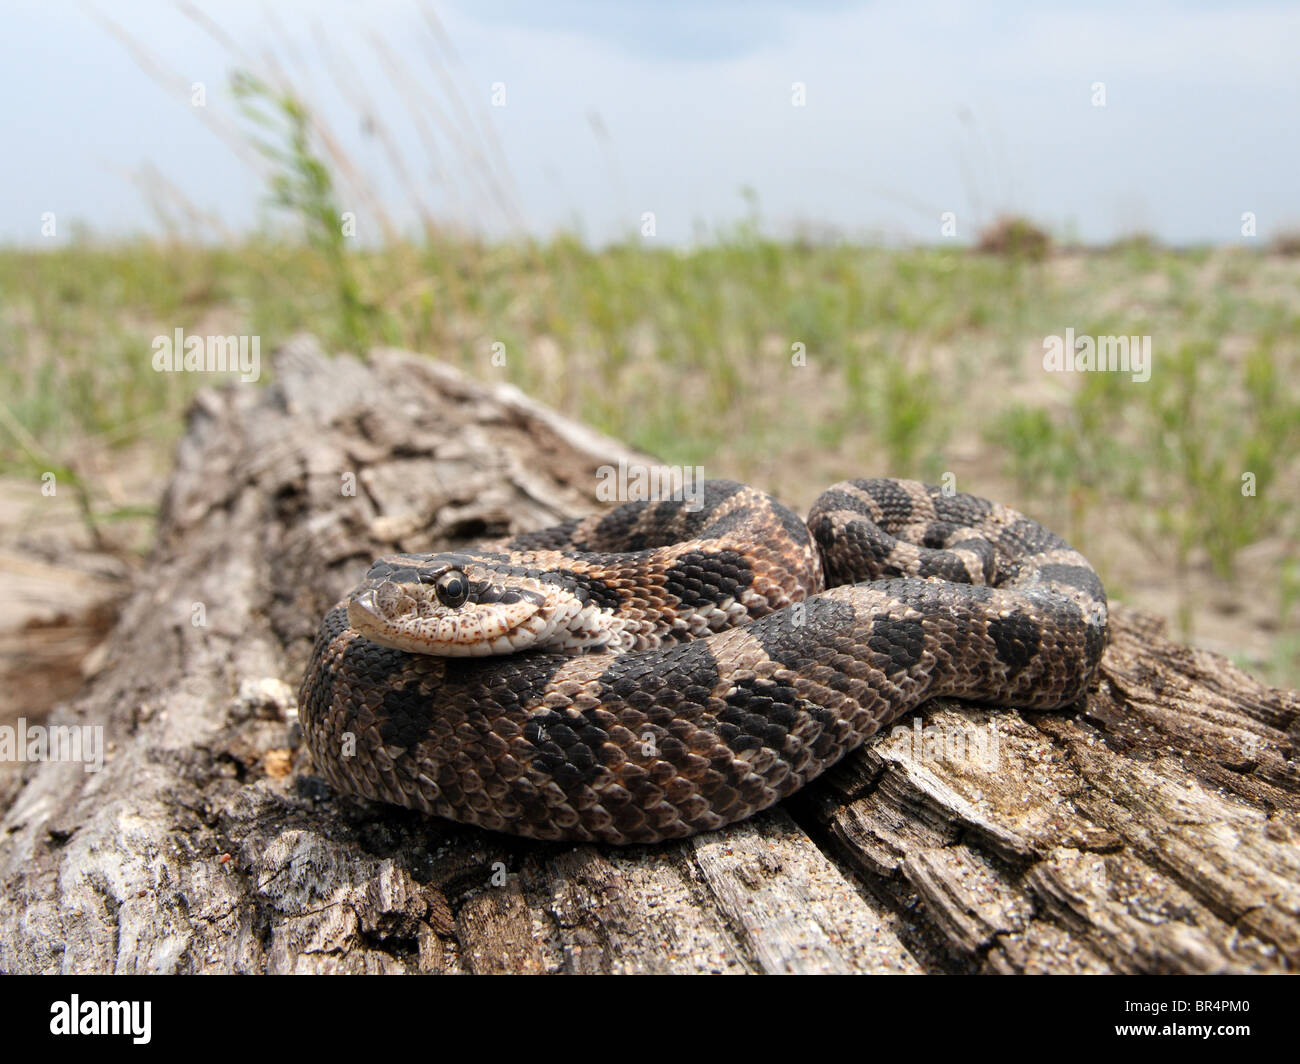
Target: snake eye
452, 588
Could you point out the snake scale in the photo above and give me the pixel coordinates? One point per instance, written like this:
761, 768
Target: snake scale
664, 669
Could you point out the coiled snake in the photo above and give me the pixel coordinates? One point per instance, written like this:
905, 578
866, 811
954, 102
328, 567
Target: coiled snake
657, 671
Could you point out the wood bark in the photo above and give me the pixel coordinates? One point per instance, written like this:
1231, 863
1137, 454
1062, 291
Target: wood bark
1153, 829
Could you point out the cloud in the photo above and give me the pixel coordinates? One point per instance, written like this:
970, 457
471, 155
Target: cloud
667, 30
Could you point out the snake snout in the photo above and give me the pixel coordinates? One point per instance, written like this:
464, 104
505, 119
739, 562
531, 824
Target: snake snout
376, 610
410, 616
365, 607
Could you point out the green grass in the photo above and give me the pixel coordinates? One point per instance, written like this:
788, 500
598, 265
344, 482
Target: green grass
672, 350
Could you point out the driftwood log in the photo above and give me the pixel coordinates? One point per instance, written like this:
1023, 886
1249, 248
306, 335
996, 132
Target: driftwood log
1153, 830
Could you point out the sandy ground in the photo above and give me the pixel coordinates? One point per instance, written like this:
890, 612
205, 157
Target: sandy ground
60, 585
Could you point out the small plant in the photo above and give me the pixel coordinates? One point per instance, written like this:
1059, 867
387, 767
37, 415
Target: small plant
1014, 237
1137, 242
906, 415
1286, 243
1040, 454
1141, 249
303, 185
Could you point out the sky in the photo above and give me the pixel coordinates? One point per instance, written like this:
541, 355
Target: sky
669, 120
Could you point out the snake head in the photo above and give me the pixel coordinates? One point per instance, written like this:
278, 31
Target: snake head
451, 605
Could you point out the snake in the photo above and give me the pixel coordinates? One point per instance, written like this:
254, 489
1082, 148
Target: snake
671, 666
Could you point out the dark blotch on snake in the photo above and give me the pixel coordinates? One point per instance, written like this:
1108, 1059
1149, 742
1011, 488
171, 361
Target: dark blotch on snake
1016, 638
936, 534
1076, 576
833, 500
960, 509
1029, 537
404, 714
702, 578
943, 564
689, 672
795, 644
758, 713
895, 503
900, 641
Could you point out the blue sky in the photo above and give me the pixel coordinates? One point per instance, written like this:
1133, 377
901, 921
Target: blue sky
614, 110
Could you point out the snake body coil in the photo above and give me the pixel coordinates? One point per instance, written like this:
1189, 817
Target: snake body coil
654, 671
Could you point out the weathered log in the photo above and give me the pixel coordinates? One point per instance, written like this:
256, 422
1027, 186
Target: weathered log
1154, 829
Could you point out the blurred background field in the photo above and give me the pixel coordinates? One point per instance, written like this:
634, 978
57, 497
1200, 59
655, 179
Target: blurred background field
788, 361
